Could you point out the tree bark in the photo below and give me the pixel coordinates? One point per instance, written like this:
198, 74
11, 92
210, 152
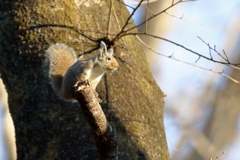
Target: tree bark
47, 127
105, 135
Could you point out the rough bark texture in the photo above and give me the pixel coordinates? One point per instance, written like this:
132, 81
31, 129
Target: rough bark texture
104, 133
49, 128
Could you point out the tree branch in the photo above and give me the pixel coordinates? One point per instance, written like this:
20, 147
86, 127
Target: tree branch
109, 18
218, 156
127, 21
124, 32
221, 73
192, 21
194, 52
105, 135
214, 49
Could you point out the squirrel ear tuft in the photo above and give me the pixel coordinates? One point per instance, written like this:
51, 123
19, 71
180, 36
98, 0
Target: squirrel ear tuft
102, 50
110, 51
102, 45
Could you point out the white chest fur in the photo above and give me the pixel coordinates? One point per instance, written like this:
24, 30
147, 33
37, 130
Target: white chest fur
95, 76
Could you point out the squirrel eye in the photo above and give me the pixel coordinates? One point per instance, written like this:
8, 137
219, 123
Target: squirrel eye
109, 58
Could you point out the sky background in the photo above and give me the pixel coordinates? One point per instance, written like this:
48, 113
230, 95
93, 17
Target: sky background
175, 78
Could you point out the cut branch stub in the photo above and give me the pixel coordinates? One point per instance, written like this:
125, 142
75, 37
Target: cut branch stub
105, 135
91, 108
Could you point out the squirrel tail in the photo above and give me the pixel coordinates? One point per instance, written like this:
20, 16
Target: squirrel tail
60, 57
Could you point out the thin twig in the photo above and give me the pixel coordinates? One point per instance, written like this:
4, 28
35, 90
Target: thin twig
197, 59
225, 55
184, 19
123, 32
146, 7
171, 57
146, 26
234, 67
189, 1
214, 49
194, 52
218, 156
125, 4
192, 21
210, 53
115, 15
155, 15
109, 17
151, 1
127, 21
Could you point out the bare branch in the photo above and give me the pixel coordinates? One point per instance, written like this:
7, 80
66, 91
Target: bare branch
134, 10
218, 156
221, 73
150, 1
146, 26
194, 52
125, 4
197, 59
109, 17
115, 15
149, 10
189, 1
184, 19
192, 21
155, 15
171, 56
234, 67
225, 55
123, 31
214, 49
210, 53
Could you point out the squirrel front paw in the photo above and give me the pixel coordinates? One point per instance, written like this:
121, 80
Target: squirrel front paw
82, 84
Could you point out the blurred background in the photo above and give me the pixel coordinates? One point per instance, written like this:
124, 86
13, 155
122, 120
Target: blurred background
201, 108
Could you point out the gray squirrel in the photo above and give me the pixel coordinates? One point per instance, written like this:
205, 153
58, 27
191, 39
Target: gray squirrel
65, 70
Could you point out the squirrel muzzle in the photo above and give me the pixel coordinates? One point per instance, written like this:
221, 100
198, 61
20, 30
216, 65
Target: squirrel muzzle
113, 67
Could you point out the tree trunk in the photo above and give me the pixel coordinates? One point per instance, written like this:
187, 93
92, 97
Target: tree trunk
46, 126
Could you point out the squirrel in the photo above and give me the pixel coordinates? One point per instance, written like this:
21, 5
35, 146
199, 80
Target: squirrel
65, 70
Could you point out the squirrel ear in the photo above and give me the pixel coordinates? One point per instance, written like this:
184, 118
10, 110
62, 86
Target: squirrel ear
102, 46
102, 50
110, 51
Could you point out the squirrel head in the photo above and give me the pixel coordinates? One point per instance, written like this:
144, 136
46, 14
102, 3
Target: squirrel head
106, 59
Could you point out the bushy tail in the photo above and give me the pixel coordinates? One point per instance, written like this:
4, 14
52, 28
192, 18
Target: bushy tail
60, 58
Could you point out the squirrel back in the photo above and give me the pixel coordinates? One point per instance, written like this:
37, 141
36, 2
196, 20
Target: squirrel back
65, 71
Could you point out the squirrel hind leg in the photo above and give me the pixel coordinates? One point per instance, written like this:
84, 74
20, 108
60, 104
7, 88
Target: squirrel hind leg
68, 94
